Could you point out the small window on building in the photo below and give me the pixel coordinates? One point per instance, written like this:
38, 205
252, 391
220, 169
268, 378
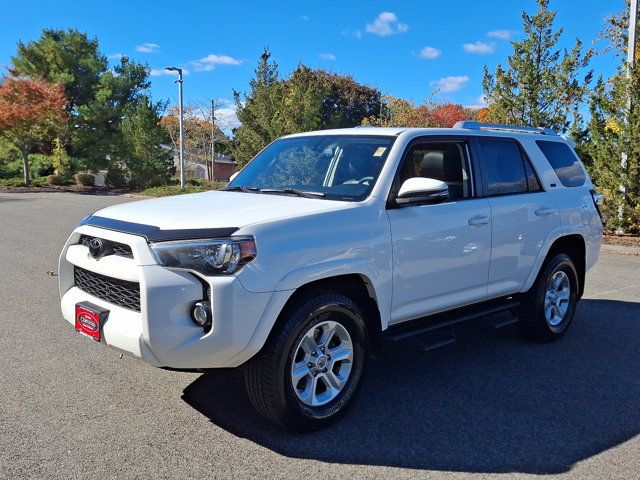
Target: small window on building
564, 161
503, 167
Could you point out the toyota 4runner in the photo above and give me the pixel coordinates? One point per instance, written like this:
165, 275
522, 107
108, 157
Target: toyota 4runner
328, 242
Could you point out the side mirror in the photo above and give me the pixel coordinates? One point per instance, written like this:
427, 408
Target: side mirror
422, 190
233, 176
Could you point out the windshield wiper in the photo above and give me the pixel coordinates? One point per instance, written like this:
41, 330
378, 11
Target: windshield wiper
294, 191
241, 188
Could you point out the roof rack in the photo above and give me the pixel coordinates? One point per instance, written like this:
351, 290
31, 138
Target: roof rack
473, 125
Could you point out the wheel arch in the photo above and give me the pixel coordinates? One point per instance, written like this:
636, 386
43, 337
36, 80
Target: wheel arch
572, 244
356, 286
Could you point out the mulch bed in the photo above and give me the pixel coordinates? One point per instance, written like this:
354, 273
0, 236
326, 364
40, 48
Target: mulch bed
624, 240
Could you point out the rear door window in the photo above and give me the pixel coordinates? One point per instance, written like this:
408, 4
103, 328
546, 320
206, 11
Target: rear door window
564, 161
503, 166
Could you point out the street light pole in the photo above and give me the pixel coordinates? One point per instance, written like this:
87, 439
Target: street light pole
179, 81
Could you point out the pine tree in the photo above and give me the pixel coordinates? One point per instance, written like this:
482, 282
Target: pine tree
260, 112
308, 99
543, 85
615, 131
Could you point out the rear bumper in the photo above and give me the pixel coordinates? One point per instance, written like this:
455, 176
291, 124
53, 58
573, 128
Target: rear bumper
162, 332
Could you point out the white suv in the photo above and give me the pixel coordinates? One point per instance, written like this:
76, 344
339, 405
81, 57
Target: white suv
328, 242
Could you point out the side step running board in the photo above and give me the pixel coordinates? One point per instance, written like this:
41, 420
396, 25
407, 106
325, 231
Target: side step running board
448, 319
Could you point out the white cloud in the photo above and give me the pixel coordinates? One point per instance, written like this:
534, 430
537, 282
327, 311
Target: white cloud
147, 47
430, 53
115, 56
327, 56
227, 119
478, 47
208, 63
304, 17
501, 34
480, 102
451, 84
386, 24
157, 72
351, 33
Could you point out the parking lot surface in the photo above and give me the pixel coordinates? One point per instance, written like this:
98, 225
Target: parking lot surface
490, 405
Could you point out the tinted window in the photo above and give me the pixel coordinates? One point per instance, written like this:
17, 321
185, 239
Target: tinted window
532, 180
503, 167
564, 162
445, 161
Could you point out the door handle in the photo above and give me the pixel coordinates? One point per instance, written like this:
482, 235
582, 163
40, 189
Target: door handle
479, 220
545, 212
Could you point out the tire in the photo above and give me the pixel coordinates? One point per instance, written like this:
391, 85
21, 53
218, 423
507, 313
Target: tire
545, 313
270, 377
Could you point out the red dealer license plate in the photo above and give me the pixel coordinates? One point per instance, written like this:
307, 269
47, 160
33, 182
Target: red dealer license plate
89, 319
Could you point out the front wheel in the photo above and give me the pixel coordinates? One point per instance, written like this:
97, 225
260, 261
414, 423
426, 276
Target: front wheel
549, 306
309, 370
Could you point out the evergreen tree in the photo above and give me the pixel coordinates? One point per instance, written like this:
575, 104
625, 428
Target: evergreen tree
148, 164
542, 85
308, 100
97, 95
259, 113
615, 131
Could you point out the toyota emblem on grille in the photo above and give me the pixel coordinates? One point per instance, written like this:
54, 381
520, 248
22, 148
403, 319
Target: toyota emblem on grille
96, 248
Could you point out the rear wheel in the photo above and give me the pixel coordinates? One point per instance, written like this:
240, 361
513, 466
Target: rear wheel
309, 370
549, 306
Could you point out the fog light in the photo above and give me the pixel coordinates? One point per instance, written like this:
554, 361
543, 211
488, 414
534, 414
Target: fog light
201, 313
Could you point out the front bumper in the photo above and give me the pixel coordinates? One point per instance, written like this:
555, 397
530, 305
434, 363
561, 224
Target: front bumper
162, 332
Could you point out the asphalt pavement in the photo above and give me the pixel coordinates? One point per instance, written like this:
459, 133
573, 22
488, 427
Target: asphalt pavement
490, 405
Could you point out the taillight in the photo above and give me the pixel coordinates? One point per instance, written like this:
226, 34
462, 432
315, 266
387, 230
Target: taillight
598, 199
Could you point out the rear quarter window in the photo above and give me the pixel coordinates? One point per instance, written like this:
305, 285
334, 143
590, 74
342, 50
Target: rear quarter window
564, 162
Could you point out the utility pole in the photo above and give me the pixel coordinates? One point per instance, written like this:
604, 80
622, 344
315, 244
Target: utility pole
213, 141
179, 82
631, 56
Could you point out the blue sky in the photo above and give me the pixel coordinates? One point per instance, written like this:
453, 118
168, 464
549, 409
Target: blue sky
406, 49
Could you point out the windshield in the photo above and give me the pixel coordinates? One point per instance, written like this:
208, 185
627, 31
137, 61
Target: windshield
336, 167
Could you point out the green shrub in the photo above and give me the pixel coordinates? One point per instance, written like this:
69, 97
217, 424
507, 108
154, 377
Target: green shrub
85, 179
56, 180
116, 176
12, 182
196, 182
38, 182
171, 190
11, 169
40, 165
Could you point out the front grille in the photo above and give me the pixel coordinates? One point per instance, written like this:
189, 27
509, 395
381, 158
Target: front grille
111, 248
119, 292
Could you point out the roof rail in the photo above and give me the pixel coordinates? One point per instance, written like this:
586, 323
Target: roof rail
473, 125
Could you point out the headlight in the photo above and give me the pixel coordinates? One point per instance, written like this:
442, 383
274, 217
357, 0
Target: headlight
218, 256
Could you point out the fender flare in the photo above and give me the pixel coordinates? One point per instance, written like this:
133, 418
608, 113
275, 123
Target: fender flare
296, 279
555, 234
375, 279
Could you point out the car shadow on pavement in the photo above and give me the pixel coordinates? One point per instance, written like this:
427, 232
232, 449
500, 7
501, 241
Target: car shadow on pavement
492, 402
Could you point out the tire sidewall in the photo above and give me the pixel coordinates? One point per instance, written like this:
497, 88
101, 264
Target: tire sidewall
558, 263
351, 319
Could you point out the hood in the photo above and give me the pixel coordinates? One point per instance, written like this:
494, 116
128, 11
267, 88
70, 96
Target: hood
216, 209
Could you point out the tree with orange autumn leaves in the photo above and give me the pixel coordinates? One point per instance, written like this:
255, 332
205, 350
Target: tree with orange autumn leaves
32, 111
398, 112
